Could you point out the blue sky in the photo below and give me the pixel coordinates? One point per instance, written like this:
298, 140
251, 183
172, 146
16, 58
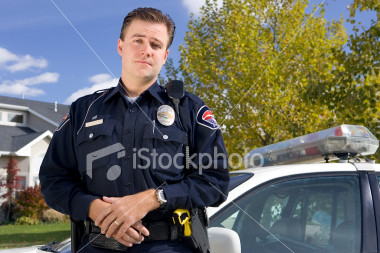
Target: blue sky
57, 50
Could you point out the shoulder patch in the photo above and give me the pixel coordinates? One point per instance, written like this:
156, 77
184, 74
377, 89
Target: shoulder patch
64, 120
206, 118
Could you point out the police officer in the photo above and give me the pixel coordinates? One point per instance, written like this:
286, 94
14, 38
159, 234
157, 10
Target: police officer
117, 158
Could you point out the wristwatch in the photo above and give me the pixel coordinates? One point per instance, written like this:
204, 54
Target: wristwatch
161, 198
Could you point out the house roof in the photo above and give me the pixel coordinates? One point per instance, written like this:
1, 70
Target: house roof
18, 138
39, 108
14, 138
21, 141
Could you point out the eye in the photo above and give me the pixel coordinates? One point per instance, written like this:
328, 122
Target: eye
138, 40
155, 45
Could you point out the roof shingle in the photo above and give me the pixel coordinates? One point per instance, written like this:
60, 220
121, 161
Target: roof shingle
12, 137
43, 108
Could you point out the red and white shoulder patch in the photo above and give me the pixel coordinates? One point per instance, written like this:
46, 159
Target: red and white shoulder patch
206, 118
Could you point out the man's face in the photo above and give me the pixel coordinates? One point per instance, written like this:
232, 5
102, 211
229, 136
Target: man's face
143, 51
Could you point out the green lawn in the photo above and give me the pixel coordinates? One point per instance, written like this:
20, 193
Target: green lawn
12, 236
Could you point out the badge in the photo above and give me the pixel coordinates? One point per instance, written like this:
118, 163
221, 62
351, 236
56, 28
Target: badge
206, 118
94, 123
165, 115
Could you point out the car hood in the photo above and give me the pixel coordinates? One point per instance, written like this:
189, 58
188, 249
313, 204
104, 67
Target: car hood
32, 249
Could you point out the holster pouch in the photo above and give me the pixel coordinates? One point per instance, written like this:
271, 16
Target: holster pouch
77, 233
99, 240
193, 230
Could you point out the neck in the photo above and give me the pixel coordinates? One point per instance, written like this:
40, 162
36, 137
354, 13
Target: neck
134, 89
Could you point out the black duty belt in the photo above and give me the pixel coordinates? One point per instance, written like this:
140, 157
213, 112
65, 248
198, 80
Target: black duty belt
158, 231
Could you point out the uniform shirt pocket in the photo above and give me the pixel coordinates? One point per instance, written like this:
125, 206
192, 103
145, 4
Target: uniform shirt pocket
166, 152
92, 141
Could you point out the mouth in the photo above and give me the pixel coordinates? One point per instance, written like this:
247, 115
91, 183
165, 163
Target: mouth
144, 62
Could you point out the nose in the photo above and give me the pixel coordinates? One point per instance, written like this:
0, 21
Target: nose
146, 50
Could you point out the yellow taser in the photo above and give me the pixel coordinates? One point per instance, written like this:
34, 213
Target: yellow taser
182, 216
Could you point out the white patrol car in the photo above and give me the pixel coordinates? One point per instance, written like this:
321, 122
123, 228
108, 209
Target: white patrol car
310, 207
278, 206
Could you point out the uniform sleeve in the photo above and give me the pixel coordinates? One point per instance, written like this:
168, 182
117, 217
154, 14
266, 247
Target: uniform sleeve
61, 183
207, 182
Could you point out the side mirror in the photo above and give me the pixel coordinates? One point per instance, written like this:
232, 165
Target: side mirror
223, 240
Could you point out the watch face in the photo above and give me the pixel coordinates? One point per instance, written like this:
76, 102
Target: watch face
161, 197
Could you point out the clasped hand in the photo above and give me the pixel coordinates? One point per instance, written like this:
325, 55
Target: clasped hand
121, 219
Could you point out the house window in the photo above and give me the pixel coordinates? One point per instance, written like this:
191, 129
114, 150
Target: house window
15, 118
12, 118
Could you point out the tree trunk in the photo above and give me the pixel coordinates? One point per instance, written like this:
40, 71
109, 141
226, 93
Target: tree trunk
9, 208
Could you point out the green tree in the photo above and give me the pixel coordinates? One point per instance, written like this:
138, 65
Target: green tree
356, 98
263, 67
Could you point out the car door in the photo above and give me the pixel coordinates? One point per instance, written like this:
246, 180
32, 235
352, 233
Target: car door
314, 213
374, 179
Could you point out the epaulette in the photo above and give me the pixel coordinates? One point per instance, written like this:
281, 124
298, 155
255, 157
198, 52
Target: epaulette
104, 90
197, 100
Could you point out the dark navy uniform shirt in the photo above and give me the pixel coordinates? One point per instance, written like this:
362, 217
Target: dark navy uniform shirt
108, 146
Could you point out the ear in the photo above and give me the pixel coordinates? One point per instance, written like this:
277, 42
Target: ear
166, 55
120, 46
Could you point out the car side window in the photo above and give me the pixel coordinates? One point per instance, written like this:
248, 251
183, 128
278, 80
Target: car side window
315, 214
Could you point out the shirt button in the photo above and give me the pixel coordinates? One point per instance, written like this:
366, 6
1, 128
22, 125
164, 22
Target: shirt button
91, 135
128, 131
165, 137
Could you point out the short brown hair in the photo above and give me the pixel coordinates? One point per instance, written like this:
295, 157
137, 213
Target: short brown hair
150, 15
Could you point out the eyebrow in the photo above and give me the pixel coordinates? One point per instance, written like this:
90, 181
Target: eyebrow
138, 35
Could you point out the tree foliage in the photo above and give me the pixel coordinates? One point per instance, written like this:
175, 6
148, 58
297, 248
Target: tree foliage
356, 99
30, 203
264, 67
11, 183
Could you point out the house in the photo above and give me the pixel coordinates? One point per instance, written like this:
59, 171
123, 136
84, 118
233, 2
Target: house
26, 128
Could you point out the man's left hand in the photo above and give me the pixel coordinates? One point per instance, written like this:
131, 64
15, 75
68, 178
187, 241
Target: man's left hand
121, 219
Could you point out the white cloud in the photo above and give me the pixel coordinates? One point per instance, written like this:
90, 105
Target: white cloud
100, 81
46, 77
195, 5
22, 87
6, 56
13, 63
100, 78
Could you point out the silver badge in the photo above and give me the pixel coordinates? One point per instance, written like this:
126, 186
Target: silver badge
165, 115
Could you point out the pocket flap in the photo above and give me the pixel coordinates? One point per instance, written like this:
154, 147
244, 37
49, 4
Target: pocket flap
165, 134
91, 131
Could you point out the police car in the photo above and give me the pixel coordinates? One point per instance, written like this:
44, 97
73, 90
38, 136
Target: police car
315, 193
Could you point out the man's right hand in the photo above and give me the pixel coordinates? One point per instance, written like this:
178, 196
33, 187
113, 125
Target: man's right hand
96, 206
131, 236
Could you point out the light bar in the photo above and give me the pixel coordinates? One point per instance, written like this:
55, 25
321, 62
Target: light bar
340, 141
